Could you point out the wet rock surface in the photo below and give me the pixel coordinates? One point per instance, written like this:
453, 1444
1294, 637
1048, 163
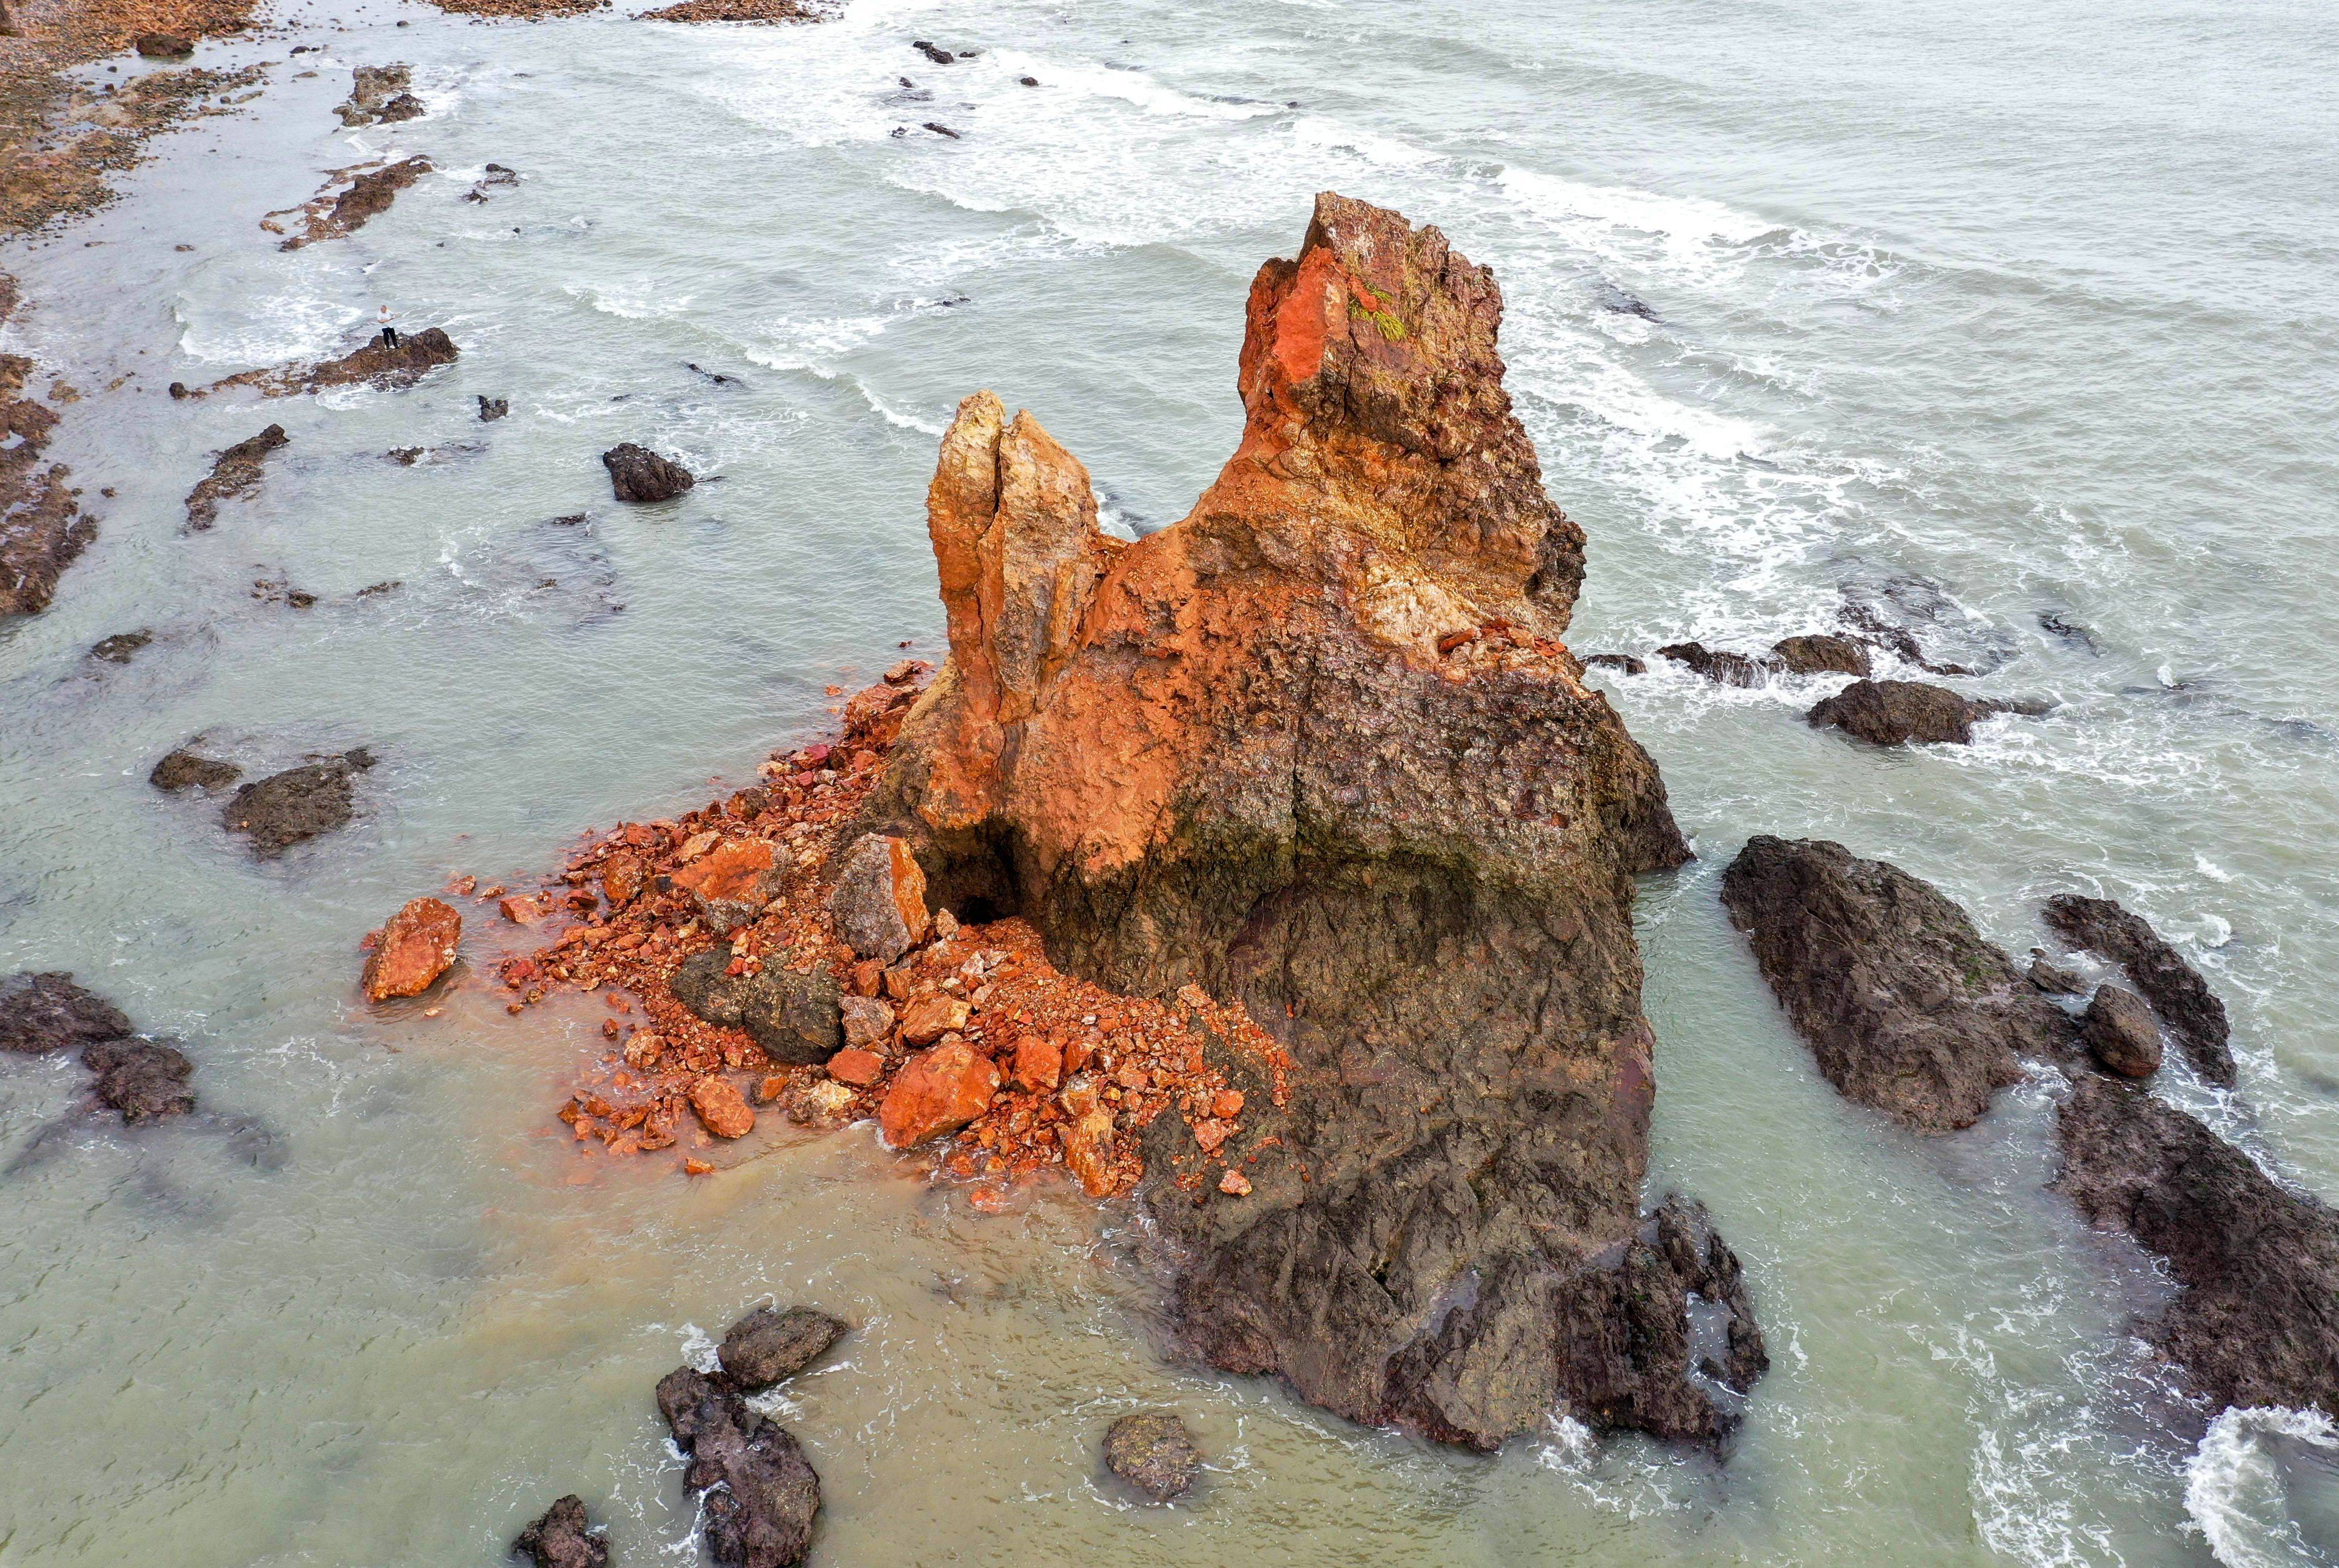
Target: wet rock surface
371, 89
2120, 1033
1717, 665
563, 1538
293, 806
639, 474
2257, 1320
1896, 713
795, 1018
768, 1345
940, 1090
1316, 750
42, 528
493, 409
1820, 654
144, 1080
234, 475
2175, 990
369, 194
412, 951
378, 363
46, 1012
761, 1494
1905, 1008
1154, 1452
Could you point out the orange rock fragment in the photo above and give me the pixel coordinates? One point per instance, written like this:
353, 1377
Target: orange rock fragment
722, 1107
1235, 1184
731, 884
417, 947
696, 1167
1039, 1063
929, 1018
1228, 1104
856, 1067
937, 1091
520, 910
622, 877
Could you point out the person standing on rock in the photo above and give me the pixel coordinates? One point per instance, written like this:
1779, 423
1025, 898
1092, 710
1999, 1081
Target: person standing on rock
389, 332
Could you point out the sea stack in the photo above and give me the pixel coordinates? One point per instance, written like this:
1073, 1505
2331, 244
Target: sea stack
1319, 749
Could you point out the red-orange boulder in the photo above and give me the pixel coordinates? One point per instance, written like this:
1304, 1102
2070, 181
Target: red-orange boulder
939, 1091
731, 883
722, 1107
415, 949
1039, 1063
856, 1067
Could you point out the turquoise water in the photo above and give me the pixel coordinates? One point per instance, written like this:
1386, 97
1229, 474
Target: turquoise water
2018, 311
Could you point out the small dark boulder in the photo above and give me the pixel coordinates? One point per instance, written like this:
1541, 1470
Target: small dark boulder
492, 408
1907, 1009
297, 804
940, 56
761, 1494
563, 1539
405, 106
1821, 654
1624, 662
797, 1019
768, 1345
144, 1080
2175, 988
1716, 664
2120, 1033
118, 648
639, 474
1154, 1452
184, 769
1894, 713
165, 45
2255, 1322
48, 1012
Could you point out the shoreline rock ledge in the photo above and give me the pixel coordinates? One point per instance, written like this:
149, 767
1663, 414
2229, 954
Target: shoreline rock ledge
1317, 749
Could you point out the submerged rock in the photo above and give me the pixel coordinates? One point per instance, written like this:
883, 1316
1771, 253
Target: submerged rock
1624, 662
297, 804
795, 1018
1907, 1009
1154, 1452
1317, 749
184, 769
371, 88
493, 409
639, 474
236, 475
41, 1012
2255, 1322
412, 951
119, 649
2120, 1033
760, 1493
42, 528
563, 1538
768, 1345
1894, 713
144, 1080
2175, 990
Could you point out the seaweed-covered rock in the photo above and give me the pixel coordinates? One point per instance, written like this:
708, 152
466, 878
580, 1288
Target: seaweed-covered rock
184, 769
2257, 1320
2175, 990
1907, 1009
1154, 1452
563, 1538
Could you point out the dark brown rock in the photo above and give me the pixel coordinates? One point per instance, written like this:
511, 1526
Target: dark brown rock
1894, 713
1624, 662
297, 804
1821, 654
1154, 1452
144, 1080
795, 1018
1716, 664
1316, 748
184, 769
369, 195
2257, 1320
165, 45
48, 1012
761, 1494
234, 475
1907, 1009
2120, 1033
493, 409
42, 528
639, 474
119, 649
2054, 979
768, 1345
380, 364
371, 88
405, 106
2175, 988
563, 1539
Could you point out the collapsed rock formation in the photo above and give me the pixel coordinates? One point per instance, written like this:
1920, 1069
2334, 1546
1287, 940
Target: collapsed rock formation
235, 476
42, 528
378, 363
639, 474
1907, 1009
563, 1538
1317, 749
2175, 988
2257, 1322
297, 804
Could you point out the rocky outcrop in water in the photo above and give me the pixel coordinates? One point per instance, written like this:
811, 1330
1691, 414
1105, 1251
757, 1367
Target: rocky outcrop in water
2175, 990
371, 89
297, 804
412, 949
184, 770
2257, 1321
1154, 1452
1821, 654
1716, 664
42, 528
144, 1080
1907, 1009
563, 1538
1317, 749
768, 1345
368, 195
639, 474
235, 476
122, 647
380, 364
1895, 712
760, 1491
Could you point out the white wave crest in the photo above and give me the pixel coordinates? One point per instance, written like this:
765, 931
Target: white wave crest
2233, 1487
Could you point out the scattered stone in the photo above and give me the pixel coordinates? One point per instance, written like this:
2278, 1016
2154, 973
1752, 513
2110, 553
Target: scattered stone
1728, 669
144, 1080
1907, 1009
768, 1345
795, 1018
48, 1012
1821, 654
622, 879
2175, 990
2253, 1325
1039, 1063
1154, 1453
639, 474
412, 951
879, 899
867, 1021
937, 1091
165, 45
1028, 81
234, 475
1235, 1184
722, 1107
118, 648
1894, 713
563, 1539
493, 409
184, 769
940, 56
297, 804
732, 883
1624, 662
820, 1102
939, 129
759, 1493
2120, 1033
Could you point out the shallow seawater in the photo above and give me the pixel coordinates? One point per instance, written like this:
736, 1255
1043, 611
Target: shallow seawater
1994, 314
